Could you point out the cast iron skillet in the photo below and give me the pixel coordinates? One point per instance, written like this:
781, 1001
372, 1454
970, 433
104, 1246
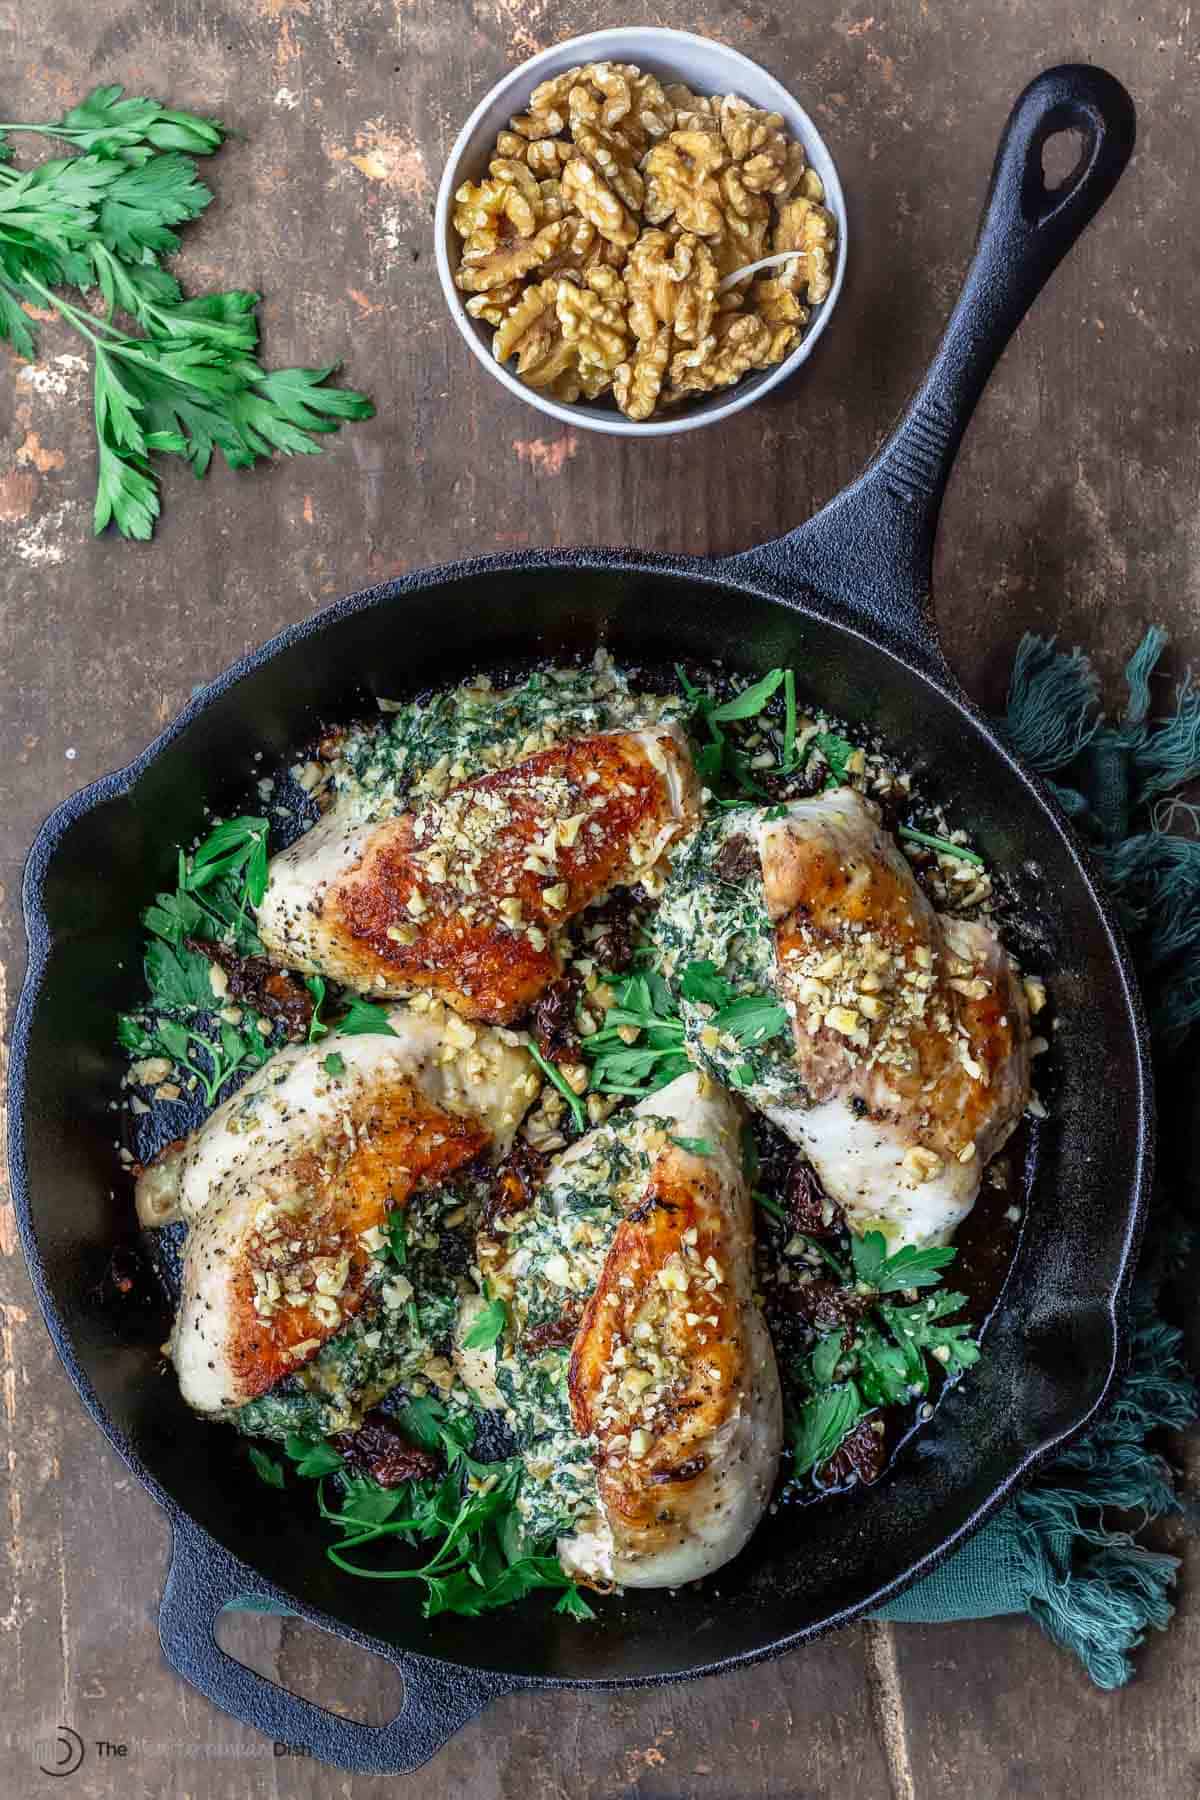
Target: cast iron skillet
846, 600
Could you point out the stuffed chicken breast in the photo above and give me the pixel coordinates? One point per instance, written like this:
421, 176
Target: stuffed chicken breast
286, 1186
466, 898
897, 1051
638, 1371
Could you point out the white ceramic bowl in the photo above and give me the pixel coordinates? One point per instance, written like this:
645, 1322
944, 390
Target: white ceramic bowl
707, 68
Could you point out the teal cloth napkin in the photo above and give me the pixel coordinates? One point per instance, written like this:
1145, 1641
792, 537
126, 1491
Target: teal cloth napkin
1057, 1552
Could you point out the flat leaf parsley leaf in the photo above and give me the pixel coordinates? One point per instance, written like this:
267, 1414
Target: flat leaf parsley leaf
750, 702
749, 1019
488, 1327
361, 1019
825, 1422
266, 1468
317, 1028
908, 1268
312, 1456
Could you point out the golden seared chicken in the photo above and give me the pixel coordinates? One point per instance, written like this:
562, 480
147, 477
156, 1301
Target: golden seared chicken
286, 1185
632, 1276
465, 897
911, 1029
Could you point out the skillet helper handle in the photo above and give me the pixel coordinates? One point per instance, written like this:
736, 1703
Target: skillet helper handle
873, 545
204, 1577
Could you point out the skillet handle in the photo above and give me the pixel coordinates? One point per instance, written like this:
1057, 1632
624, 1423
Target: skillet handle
870, 551
204, 1577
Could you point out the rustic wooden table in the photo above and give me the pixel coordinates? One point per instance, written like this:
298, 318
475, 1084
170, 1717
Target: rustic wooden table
1073, 510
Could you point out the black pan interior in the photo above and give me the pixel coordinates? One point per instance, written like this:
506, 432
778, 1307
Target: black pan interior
1051, 1344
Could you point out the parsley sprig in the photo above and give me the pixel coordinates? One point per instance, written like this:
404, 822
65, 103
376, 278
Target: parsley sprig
727, 768
884, 1358
642, 1005
480, 1561
132, 129
216, 889
720, 762
187, 380
749, 1019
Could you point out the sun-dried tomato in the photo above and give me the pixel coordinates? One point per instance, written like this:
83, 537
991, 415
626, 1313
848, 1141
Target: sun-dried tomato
612, 932
553, 1334
824, 1304
514, 1183
270, 991
553, 1021
798, 784
860, 1456
810, 1209
379, 1449
737, 859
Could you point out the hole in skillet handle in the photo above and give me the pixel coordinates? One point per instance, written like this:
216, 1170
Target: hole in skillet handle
203, 1578
311, 1662
1063, 156
1072, 148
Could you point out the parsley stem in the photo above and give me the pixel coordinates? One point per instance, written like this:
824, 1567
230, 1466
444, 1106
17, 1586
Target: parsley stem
38, 131
620, 1015
647, 1087
68, 133
788, 761
62, 307
771, 1206
835, 1263
564, 1087
125, 346
912, 836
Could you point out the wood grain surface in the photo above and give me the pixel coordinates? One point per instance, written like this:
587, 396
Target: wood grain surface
1073, 510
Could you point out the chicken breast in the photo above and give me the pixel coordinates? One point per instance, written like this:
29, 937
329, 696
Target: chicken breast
643, 1235
910, 1029
465, 897
286, 1186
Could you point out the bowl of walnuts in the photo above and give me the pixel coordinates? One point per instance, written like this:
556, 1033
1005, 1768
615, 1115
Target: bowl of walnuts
640, 231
